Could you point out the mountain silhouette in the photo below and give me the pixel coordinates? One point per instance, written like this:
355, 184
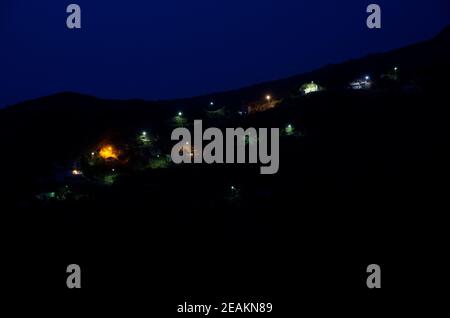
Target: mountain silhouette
413, 58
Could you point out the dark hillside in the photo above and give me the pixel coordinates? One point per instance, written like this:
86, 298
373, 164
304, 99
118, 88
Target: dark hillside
353, 163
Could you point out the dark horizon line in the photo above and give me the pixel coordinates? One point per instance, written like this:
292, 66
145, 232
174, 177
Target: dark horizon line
254, 85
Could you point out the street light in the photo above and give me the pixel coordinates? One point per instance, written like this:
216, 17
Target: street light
180, 114
289, 129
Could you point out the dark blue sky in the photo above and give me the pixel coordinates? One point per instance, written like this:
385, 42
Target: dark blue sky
177, 48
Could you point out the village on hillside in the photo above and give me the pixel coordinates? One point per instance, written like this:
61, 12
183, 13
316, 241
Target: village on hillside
147, 149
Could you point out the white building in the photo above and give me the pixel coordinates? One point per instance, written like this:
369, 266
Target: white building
362, 83
309, 88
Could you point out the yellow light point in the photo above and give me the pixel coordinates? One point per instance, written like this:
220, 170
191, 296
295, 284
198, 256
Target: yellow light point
76, 172
108, 152
268, 97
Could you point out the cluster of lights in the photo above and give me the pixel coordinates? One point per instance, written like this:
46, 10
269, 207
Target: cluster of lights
108, 152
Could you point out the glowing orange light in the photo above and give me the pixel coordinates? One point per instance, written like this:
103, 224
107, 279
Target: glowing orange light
108, 152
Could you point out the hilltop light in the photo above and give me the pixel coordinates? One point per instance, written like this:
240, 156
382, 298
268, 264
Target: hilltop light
180, 114
144, 133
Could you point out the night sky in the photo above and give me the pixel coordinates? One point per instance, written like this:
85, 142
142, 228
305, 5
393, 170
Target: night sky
177, 48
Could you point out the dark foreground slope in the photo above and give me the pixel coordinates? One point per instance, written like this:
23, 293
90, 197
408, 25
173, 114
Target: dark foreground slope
363, 179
